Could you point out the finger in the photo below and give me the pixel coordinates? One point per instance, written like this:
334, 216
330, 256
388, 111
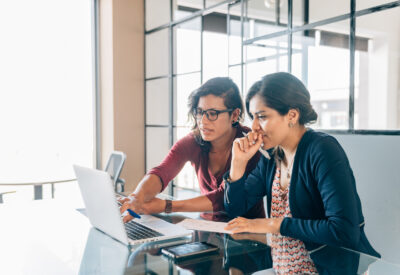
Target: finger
241, 145
236, 145
246, 144
259, 140
233, 221
126, 217
123, 207
122, 200
229, 226
253, 137
236, 228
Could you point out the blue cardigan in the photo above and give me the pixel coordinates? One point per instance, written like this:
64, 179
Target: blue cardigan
325, 206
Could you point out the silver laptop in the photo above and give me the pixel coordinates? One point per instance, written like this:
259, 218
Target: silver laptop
103, 212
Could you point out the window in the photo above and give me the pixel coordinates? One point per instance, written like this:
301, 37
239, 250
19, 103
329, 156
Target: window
346, 53
46, 92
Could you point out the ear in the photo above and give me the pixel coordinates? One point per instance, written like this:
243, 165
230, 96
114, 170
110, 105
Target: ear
293, 116
235, 115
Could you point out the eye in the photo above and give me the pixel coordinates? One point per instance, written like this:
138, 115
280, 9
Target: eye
262, 117
212, 113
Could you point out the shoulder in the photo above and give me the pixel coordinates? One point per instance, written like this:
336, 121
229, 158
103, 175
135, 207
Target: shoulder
320, 146
320, 142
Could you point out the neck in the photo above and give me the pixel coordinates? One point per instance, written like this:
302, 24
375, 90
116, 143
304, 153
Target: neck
225, 142
289, 147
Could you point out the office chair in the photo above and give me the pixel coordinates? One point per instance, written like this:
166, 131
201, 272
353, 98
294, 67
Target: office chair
114, 168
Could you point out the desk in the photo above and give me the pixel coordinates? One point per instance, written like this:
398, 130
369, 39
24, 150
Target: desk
38, 186
47, 237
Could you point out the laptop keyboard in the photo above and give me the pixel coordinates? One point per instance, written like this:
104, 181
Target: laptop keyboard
137, 231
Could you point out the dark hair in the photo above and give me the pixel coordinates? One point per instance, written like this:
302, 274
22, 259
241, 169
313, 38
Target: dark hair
222, 87
282, 92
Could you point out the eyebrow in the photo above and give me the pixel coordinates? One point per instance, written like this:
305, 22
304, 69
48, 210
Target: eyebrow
259, 112
214, 109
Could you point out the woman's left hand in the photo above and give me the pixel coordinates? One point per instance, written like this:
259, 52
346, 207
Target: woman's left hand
240, 225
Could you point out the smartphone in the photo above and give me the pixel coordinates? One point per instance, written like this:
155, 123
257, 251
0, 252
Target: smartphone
189, 250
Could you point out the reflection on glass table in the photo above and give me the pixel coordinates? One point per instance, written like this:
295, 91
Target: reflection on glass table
238, 254
50, 237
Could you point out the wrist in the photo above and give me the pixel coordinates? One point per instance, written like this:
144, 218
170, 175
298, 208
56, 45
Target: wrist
138, 196
277, 225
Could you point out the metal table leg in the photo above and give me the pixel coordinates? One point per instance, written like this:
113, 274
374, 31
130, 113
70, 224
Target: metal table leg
38, 192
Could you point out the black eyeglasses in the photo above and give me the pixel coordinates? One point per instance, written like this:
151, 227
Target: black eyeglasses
211, 114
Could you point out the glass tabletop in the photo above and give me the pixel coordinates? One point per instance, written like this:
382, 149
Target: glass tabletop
238, 254
47, 237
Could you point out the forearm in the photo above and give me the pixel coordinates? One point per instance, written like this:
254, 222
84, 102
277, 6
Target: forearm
198, 204
148, 187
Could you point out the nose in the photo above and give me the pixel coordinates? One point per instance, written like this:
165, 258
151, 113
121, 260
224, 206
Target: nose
255, 125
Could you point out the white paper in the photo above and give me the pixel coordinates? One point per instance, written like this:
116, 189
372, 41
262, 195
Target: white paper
203, 225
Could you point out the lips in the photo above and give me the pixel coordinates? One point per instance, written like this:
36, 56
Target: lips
206, 131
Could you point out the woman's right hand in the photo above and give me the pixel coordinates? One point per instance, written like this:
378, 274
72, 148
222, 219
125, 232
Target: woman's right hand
243, 150
133, 202
246, 147
153, 206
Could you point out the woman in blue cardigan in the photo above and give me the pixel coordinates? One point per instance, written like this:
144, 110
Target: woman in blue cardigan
312, 201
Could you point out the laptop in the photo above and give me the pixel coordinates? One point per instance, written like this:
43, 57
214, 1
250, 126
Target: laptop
103, 212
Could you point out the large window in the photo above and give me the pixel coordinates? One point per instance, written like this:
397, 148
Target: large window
46, 93
347, 53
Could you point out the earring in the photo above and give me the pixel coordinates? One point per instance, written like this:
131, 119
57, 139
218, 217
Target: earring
235, 123
291, 125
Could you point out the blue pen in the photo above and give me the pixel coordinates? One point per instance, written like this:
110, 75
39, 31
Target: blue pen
133, 213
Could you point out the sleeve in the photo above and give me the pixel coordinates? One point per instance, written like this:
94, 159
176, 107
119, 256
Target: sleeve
336, 184
243, 194
172, 164
217, 198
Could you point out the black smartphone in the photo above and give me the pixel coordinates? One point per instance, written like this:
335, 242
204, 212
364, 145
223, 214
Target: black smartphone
189, 250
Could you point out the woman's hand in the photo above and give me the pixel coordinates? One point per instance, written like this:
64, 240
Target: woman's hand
243, 150
152, 206
240, 225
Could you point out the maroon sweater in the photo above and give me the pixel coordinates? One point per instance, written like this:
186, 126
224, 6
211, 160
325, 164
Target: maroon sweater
187, 149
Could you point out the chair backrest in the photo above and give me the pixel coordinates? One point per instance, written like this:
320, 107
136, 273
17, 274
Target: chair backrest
114, 168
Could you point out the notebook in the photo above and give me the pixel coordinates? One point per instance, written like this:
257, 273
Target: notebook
103, 212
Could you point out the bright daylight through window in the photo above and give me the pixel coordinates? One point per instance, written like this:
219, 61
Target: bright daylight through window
46, 93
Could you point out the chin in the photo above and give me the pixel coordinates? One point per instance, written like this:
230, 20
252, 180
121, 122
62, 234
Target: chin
206, 137
267, 145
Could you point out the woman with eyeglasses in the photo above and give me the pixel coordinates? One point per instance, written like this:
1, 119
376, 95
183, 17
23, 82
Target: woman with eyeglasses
313, 205
216, 109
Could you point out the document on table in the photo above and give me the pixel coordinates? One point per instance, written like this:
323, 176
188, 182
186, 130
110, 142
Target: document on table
203, 225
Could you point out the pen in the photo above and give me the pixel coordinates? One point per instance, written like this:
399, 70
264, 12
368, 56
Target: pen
133, 213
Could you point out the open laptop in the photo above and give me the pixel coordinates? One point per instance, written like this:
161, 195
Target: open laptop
103, 212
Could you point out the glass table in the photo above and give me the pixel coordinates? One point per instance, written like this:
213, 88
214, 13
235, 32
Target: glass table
48, 237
